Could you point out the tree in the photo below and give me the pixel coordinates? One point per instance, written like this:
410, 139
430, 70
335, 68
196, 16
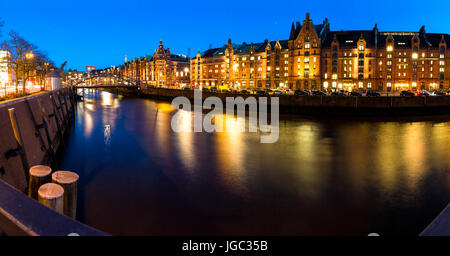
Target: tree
25, 60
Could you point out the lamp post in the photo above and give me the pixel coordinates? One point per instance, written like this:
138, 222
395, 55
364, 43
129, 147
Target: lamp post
28, 56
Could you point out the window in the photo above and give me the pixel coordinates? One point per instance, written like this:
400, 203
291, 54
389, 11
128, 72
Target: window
361, 47
307, 46
390, 48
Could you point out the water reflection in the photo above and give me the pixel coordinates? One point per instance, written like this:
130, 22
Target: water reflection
322, 177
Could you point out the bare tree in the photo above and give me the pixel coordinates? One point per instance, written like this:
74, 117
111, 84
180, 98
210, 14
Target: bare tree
25, 59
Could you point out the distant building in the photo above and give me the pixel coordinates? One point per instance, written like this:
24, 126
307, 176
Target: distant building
74, 76
163, 69
90, 68
5, 74
313, 57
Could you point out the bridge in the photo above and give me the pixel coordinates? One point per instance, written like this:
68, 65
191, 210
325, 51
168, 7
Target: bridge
104, 80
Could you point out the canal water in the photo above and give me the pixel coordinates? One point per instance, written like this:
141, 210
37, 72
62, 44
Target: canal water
322, 177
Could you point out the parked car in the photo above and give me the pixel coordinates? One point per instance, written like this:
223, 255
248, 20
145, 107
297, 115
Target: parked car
338, 93
187, 88
355, 93
205, 89
278, 92
438, 93
244, 91
423, 93
261, 92
300, 93
319, 93
269, 91
373, 94
406, 93
289, 92
213, 89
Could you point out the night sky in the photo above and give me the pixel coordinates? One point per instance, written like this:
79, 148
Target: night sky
101, 33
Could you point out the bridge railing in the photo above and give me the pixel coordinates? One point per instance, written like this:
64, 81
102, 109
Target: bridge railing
21, 215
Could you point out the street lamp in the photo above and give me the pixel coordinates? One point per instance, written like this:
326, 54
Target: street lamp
29, 55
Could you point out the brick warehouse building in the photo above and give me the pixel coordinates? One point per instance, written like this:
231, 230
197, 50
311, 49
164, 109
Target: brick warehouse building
163, 69
316, 58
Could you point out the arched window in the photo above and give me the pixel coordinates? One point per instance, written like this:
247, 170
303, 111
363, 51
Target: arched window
442, 49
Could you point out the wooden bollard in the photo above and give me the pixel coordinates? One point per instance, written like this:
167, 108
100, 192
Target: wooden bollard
51, 195
18, 137
69, 181
39, 175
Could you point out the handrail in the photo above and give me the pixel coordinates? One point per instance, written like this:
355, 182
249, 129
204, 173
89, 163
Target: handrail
21, 215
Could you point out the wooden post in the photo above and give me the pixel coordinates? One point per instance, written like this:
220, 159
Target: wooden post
18, 137
69, 181
51, 195
39, 175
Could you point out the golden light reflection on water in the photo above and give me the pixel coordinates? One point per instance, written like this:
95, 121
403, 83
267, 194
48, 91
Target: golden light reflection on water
387, 160
164, 107
231, 151
185, 140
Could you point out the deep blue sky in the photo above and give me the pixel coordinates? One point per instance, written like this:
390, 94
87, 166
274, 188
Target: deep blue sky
101, 33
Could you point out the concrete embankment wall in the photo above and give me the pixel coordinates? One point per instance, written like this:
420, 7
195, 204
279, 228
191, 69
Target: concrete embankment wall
35, 140
333, 105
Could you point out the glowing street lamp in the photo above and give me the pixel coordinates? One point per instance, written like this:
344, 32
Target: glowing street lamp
29, 55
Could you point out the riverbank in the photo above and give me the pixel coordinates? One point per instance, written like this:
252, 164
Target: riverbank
384, 106
43, 119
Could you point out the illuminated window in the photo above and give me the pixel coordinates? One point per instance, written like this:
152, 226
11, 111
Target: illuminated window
307, 46
415, 56
390, 48
325, 84
361, 47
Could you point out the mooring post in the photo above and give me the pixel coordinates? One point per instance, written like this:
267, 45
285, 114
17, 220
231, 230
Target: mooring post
69, 181
39, 175
51, 195
18, 137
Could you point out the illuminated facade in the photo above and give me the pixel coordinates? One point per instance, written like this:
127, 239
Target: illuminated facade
5, 74
163, 69
316, 58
